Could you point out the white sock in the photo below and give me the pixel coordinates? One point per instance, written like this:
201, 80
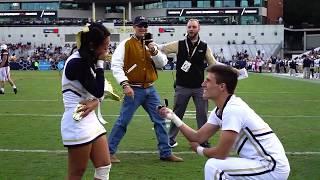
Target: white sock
14, 87
2, 89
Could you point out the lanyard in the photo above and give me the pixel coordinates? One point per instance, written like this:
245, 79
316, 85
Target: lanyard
194, 50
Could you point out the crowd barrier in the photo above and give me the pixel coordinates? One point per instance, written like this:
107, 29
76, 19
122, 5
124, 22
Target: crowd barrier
42, 66
46, 66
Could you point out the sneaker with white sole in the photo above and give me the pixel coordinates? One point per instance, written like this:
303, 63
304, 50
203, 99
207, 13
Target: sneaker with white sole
173, 144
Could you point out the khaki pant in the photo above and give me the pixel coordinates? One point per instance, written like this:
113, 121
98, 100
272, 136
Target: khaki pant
306, 72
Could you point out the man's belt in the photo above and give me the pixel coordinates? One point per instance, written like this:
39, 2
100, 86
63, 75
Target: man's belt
142, 85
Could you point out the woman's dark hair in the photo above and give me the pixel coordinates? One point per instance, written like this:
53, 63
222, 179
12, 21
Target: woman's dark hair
225, 74
4, 51
72, 50
91, 40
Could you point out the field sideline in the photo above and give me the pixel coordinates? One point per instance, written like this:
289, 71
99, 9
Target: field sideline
30, 144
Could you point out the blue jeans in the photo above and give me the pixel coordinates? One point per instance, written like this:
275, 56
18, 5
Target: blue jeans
149, 99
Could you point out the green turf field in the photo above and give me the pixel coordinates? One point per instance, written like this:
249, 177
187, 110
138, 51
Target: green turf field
30, 145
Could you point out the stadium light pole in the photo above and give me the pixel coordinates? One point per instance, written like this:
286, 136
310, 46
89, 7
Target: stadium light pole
124, 18
93, 11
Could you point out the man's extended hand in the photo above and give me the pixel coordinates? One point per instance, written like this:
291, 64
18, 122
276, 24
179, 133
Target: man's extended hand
166, 113
169, 114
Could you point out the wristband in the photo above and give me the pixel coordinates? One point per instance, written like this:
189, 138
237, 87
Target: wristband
200, 150
124, 84
100, 64
176, 120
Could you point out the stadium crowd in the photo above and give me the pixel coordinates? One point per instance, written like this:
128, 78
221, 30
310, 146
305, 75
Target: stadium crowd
306, 64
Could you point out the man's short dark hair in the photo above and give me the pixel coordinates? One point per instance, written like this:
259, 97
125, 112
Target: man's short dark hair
225, 74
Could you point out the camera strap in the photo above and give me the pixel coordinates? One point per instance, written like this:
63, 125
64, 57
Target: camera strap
188, 49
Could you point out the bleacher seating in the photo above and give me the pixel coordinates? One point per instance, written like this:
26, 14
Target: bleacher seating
232, 49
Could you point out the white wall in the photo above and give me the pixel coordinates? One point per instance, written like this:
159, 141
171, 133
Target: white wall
71, 13
216, 30
39, 38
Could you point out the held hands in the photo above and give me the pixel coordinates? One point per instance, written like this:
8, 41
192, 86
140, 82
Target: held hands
169, 114
166, 112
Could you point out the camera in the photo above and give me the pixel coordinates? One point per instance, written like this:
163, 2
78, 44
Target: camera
148, 38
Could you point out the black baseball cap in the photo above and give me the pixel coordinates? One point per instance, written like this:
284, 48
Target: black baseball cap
140, 20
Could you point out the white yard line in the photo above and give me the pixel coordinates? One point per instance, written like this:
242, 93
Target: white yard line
249, 92
36, 100
192, 115
131, 152
286, 76
189, 115
56, 100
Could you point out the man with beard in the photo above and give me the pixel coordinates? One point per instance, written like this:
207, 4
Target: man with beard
192, 57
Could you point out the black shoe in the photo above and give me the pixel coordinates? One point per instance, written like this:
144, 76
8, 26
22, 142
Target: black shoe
15, 90
173, 144
205, 145
1, 92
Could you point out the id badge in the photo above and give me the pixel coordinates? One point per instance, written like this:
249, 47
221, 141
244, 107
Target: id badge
186, 66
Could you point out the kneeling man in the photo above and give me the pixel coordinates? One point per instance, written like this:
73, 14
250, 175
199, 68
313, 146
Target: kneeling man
260, 153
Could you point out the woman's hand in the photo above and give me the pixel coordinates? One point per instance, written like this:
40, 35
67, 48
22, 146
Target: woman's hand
105, 56
89, 105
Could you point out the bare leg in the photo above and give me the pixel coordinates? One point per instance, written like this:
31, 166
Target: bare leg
100, 155
1, 87
78, 158
12, 84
